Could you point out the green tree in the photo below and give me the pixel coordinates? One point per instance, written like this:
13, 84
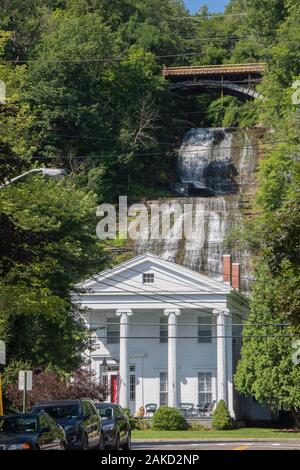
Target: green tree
98, 116
16, 144
48, 229
167, 418
25, 20
266, 369
221, 419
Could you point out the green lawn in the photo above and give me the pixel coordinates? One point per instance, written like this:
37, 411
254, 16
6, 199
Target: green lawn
246, 433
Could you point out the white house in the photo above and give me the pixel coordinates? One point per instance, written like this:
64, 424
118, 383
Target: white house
168, 335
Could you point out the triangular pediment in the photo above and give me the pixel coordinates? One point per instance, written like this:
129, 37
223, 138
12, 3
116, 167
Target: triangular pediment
168, 277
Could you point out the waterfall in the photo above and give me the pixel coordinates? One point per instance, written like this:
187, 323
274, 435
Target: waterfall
215, 168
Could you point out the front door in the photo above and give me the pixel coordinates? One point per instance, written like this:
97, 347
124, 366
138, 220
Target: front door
114, 388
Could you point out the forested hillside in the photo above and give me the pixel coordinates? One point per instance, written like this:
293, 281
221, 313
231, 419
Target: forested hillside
85, 92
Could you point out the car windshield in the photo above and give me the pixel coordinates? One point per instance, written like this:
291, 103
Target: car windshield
62, 411
18, 424
106, 412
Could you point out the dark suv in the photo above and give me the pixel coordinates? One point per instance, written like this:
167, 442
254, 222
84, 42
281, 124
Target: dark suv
79, 419
115, 426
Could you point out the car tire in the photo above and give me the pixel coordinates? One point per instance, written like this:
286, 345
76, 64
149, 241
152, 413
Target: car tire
127, 445
84, 442
117, 442
101, 442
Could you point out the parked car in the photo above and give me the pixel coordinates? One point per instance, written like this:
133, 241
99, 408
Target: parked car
115, 426
31, 431
79, 419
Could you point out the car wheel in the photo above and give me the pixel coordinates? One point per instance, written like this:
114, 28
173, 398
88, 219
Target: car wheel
84, 442
101, 442
117, 442
127, 445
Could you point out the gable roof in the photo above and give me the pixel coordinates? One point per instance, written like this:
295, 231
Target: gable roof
169, 277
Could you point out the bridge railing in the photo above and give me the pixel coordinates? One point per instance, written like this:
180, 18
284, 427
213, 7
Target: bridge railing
253, 68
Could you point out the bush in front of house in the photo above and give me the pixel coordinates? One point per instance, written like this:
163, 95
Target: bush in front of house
197, 427
168, 419
221, 418
142, 424
49, 384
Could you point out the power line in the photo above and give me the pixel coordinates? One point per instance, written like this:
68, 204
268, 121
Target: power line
260, 146
147, 154
126, 57
208, 15
83, 157
123, 113
244, 325
289, 335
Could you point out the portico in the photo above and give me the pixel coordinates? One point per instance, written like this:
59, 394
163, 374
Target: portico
165, 332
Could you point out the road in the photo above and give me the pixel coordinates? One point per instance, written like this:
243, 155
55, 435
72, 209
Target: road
185, 444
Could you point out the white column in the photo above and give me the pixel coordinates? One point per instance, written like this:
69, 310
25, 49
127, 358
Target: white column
222, 392
172, 355
229, 340
124, 357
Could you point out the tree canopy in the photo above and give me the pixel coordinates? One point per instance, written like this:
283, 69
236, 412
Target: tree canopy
85, 92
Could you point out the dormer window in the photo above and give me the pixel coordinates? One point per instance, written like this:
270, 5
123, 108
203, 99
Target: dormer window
148, 278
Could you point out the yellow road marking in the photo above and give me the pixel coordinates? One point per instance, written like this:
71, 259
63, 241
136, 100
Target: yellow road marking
241, 448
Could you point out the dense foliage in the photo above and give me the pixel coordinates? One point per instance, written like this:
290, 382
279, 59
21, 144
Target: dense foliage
85, 92
267, 369
221, 419
168, 419
50, 384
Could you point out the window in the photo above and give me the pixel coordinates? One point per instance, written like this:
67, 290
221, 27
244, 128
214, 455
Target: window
163, 388
52, 422
92, 409
204, 388
44, 422
204, 329
120, 411
148, 278
132, 387
112, 331
87, 412
163, 329
61, 411
105, 385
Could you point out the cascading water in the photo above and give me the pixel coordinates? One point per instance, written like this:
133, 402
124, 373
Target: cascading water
215, 179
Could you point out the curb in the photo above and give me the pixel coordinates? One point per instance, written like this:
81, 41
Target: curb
224, 439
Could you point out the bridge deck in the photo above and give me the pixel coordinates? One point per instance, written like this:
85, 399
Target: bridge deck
208, 70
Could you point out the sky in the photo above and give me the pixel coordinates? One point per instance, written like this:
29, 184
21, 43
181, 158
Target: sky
213, 5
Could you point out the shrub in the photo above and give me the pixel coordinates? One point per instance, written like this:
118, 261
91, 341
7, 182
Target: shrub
197, 427
221, 418
50, 385
169, 419
141, 424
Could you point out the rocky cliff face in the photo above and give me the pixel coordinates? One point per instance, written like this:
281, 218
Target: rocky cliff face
215, 187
